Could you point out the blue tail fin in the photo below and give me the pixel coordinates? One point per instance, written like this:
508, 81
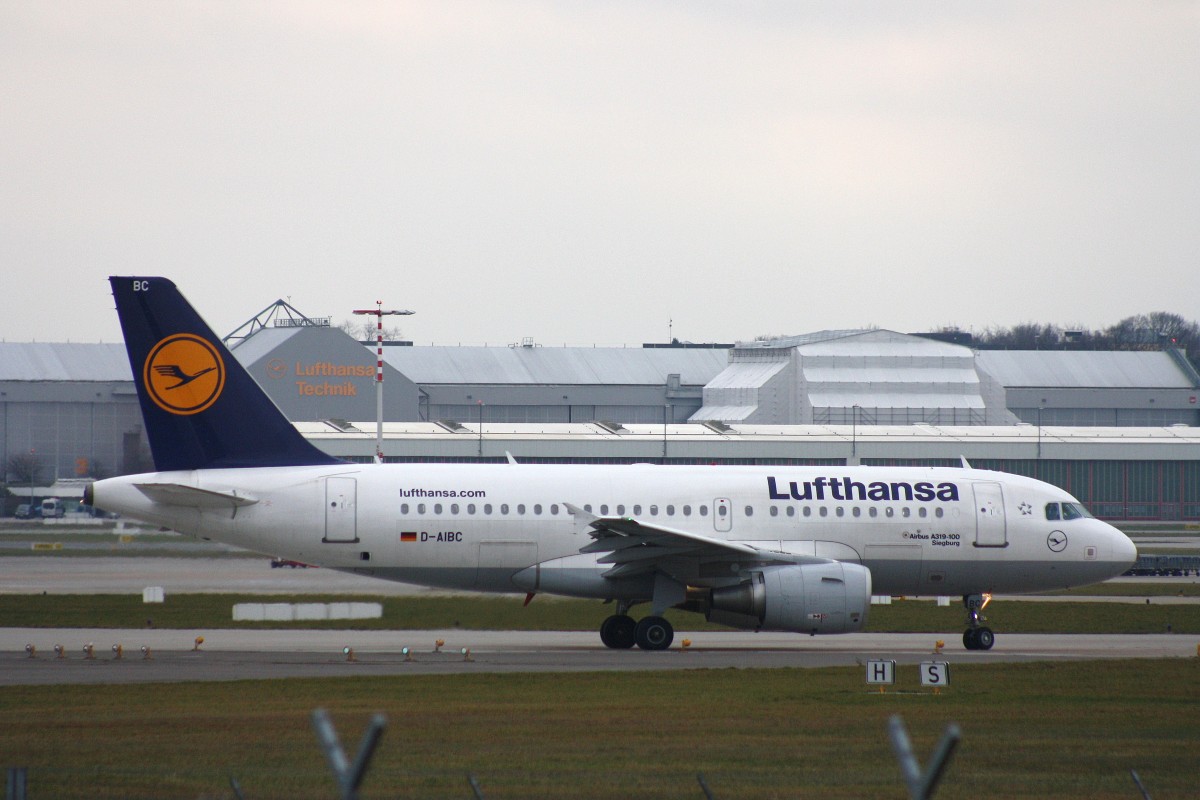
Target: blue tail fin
201, 408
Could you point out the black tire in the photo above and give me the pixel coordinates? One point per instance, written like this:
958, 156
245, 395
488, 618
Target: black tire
654, 633
984, 639
617, 632
971, 639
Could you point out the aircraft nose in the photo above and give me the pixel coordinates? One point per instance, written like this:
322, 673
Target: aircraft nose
1124, 550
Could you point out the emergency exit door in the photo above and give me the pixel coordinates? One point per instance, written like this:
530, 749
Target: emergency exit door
341, 510
991, 527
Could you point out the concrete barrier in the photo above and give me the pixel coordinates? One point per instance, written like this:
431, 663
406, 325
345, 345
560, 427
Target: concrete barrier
305, 612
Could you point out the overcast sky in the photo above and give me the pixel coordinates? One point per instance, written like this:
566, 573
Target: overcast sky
587, 172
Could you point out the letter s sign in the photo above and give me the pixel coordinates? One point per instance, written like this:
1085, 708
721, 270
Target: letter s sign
141, 286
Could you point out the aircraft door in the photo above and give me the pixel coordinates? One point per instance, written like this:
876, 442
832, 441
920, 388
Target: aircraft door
723, 514
991, 529
341, 510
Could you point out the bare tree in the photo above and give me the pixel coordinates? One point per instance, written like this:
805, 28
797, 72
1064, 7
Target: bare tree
366, 330
24, 467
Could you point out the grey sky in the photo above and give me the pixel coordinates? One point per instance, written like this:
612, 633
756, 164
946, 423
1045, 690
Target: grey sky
584, 172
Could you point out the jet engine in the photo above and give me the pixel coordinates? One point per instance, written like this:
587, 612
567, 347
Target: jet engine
831, 597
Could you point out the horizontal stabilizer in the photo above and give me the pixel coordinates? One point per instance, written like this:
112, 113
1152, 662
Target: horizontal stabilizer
176, 494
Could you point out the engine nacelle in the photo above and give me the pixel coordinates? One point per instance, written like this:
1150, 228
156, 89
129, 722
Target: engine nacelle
806, 598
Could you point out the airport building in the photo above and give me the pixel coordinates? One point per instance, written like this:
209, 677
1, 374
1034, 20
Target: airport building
1117, 429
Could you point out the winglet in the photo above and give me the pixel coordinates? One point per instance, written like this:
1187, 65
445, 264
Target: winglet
965, 464
200, 406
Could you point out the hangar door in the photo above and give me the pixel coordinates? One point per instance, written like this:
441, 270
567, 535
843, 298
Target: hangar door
341, 510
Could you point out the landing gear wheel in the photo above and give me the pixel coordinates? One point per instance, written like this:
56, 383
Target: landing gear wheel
979, 639
617, 632
984, 639
654, 633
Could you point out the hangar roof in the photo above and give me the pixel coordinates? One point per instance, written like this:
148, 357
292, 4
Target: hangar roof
69, 361
612, 366
1074, 369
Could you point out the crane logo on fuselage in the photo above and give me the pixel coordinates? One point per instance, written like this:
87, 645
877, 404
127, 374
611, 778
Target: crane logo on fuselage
184, 374
824, 488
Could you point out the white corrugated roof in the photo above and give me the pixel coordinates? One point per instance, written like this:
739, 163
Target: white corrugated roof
967, 377
869, 399
743, 374
37, 361
615, 366
1083, 369
724, 413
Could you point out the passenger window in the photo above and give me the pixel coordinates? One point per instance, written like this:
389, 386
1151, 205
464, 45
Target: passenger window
873, 512
653, 510
637, 510
808, 511
824, 511
857, 511
420, 508
437, 508
906, 512
487, 509
889, 512
921, 512
587, 507
554, 508
774, 511
938, 512
470, 508
670, 511
504, 508
537, 508
454, 508
704, 511
604, 510
521, 508
621, 510
749, 511
687, 511
1052, 511
791, 512
404, 508
841, 511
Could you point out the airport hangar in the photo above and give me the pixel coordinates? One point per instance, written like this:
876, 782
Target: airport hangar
1116, 429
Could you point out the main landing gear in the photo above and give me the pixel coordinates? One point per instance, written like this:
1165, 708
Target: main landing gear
977, 637
620, 632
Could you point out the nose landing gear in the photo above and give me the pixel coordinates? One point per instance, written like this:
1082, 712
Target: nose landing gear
977, 636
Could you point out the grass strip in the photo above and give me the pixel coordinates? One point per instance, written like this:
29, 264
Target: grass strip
215, 611
1062, 730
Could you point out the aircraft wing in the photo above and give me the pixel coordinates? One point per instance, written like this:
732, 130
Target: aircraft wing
634, 546
177, 494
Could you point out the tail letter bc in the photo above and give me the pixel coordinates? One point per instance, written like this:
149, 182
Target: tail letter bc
184, 374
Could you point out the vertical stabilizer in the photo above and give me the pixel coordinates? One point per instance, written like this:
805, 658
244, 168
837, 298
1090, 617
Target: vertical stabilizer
201, 408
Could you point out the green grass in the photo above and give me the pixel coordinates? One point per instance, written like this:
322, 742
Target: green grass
1063, 730
210, 611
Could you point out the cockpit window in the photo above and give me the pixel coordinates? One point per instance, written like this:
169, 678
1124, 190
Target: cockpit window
1074, 511
1052, 511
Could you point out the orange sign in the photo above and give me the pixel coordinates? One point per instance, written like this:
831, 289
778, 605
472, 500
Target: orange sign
184, 374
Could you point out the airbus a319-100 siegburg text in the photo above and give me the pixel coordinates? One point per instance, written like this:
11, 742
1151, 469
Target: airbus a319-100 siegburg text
764, 548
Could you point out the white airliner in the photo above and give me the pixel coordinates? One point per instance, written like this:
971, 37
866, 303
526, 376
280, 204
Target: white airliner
775, 548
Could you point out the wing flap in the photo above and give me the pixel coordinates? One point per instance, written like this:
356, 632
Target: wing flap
635, 546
